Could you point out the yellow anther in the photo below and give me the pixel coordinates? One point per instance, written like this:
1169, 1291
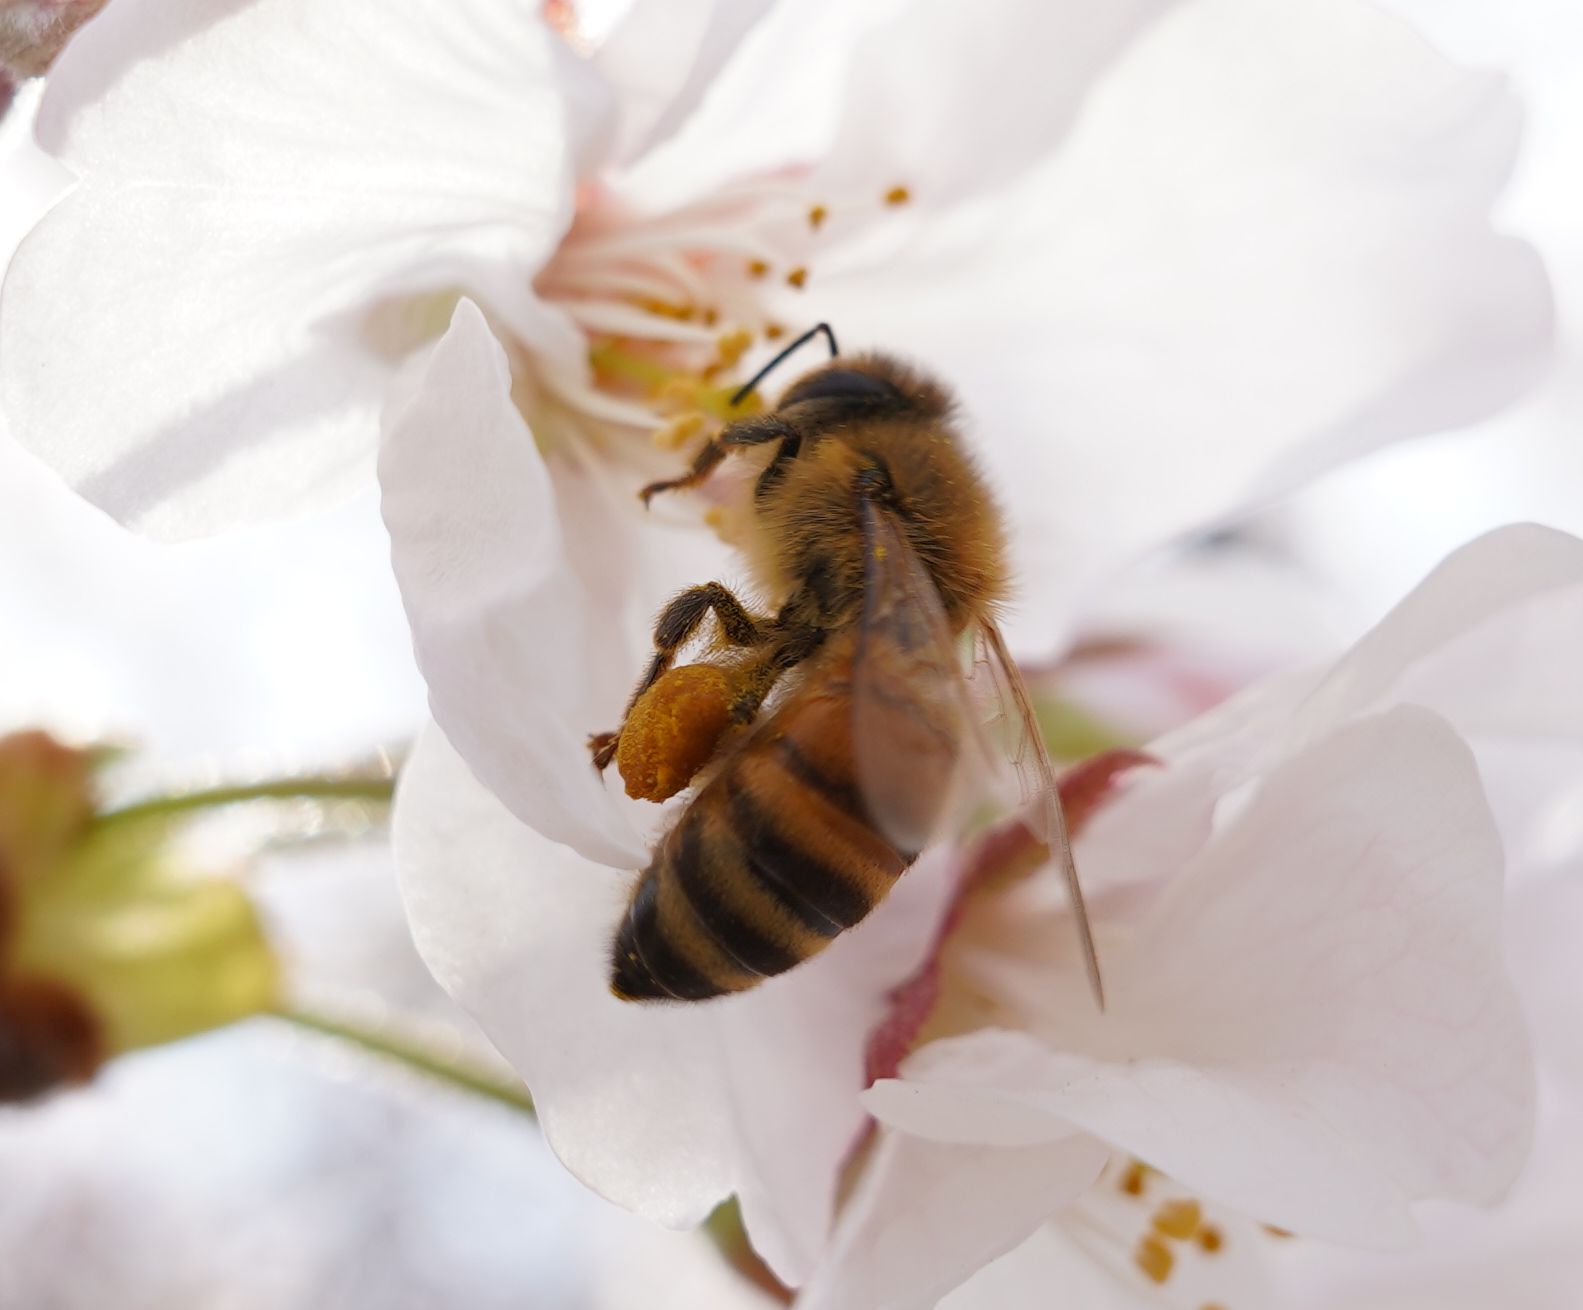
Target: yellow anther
1132, 1181
1154, 1257
773, 332
898, 195
678, 393
797, 277
817, 216
1178, 1219
679, 431
1210, 1239
758, 268
733, 345
711, 316
671, 309
714, 518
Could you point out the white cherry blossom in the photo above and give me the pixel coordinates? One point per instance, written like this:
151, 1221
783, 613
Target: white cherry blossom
1317, 1055
1172, 258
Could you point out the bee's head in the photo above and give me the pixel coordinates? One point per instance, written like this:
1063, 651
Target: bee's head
869, 385
856, 386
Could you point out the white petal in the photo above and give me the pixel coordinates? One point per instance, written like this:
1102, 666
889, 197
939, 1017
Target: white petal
1087, 1251
1314, 1027
181, 335
1512, 600
663, 1109
499, 621
953, 99
926, 1216
1263, 247
662, 58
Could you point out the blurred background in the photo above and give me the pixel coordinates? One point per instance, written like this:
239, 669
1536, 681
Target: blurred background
264, 1166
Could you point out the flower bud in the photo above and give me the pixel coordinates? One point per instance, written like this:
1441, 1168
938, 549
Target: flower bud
108, 943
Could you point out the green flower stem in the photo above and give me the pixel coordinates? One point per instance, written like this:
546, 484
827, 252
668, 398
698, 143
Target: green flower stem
317, 787
414, 1054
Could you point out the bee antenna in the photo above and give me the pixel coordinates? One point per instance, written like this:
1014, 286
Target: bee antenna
829, 334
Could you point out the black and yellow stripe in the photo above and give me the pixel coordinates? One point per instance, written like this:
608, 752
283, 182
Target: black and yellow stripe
773, 859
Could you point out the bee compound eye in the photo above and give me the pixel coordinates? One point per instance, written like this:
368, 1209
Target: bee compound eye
840, 384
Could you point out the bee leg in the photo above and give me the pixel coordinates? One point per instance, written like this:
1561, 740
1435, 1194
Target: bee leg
675, 626
745, 432
793, 646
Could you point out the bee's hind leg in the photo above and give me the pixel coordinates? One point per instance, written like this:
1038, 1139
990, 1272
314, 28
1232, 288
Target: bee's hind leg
677, 623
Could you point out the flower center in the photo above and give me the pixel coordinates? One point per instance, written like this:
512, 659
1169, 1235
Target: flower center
669, 304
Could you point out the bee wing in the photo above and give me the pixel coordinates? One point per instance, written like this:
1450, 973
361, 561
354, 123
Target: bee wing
912, 715
1041, 795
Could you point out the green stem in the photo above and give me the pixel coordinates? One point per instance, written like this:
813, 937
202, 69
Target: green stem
414, 1054
312, 787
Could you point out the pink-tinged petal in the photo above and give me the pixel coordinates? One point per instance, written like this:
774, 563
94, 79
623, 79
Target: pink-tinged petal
663, 1109
926, 1215
183, 336
662, 58
500, 624
1313, 1026
1241, 266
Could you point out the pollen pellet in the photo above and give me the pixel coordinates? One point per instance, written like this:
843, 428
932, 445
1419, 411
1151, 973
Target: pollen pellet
1210, 1239
798, 278
1154, 1257
898, 195
1178, 1219
674, 730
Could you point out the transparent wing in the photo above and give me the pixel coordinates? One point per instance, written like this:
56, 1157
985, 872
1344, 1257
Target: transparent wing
912, 717
1041, 794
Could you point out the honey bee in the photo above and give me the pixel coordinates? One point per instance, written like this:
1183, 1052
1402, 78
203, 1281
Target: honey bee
881, 546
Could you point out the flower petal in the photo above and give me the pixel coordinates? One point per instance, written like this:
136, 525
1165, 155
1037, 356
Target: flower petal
926, 1215
253, 177
1264, 247
984, 92
1314, 1027
662, 57
499, 622
663, 1109
1510, 600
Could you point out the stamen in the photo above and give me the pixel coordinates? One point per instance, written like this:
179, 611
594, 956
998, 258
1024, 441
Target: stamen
1273, 1231
667, 309
711, 316
758, 268
1154, 1257
733, 345
1178, 1219
898, 195
817, 216
1210, 1239
797, 277
773, 332
1132, 1181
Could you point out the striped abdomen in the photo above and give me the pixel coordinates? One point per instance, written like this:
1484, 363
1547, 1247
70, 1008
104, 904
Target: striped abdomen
773, 859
